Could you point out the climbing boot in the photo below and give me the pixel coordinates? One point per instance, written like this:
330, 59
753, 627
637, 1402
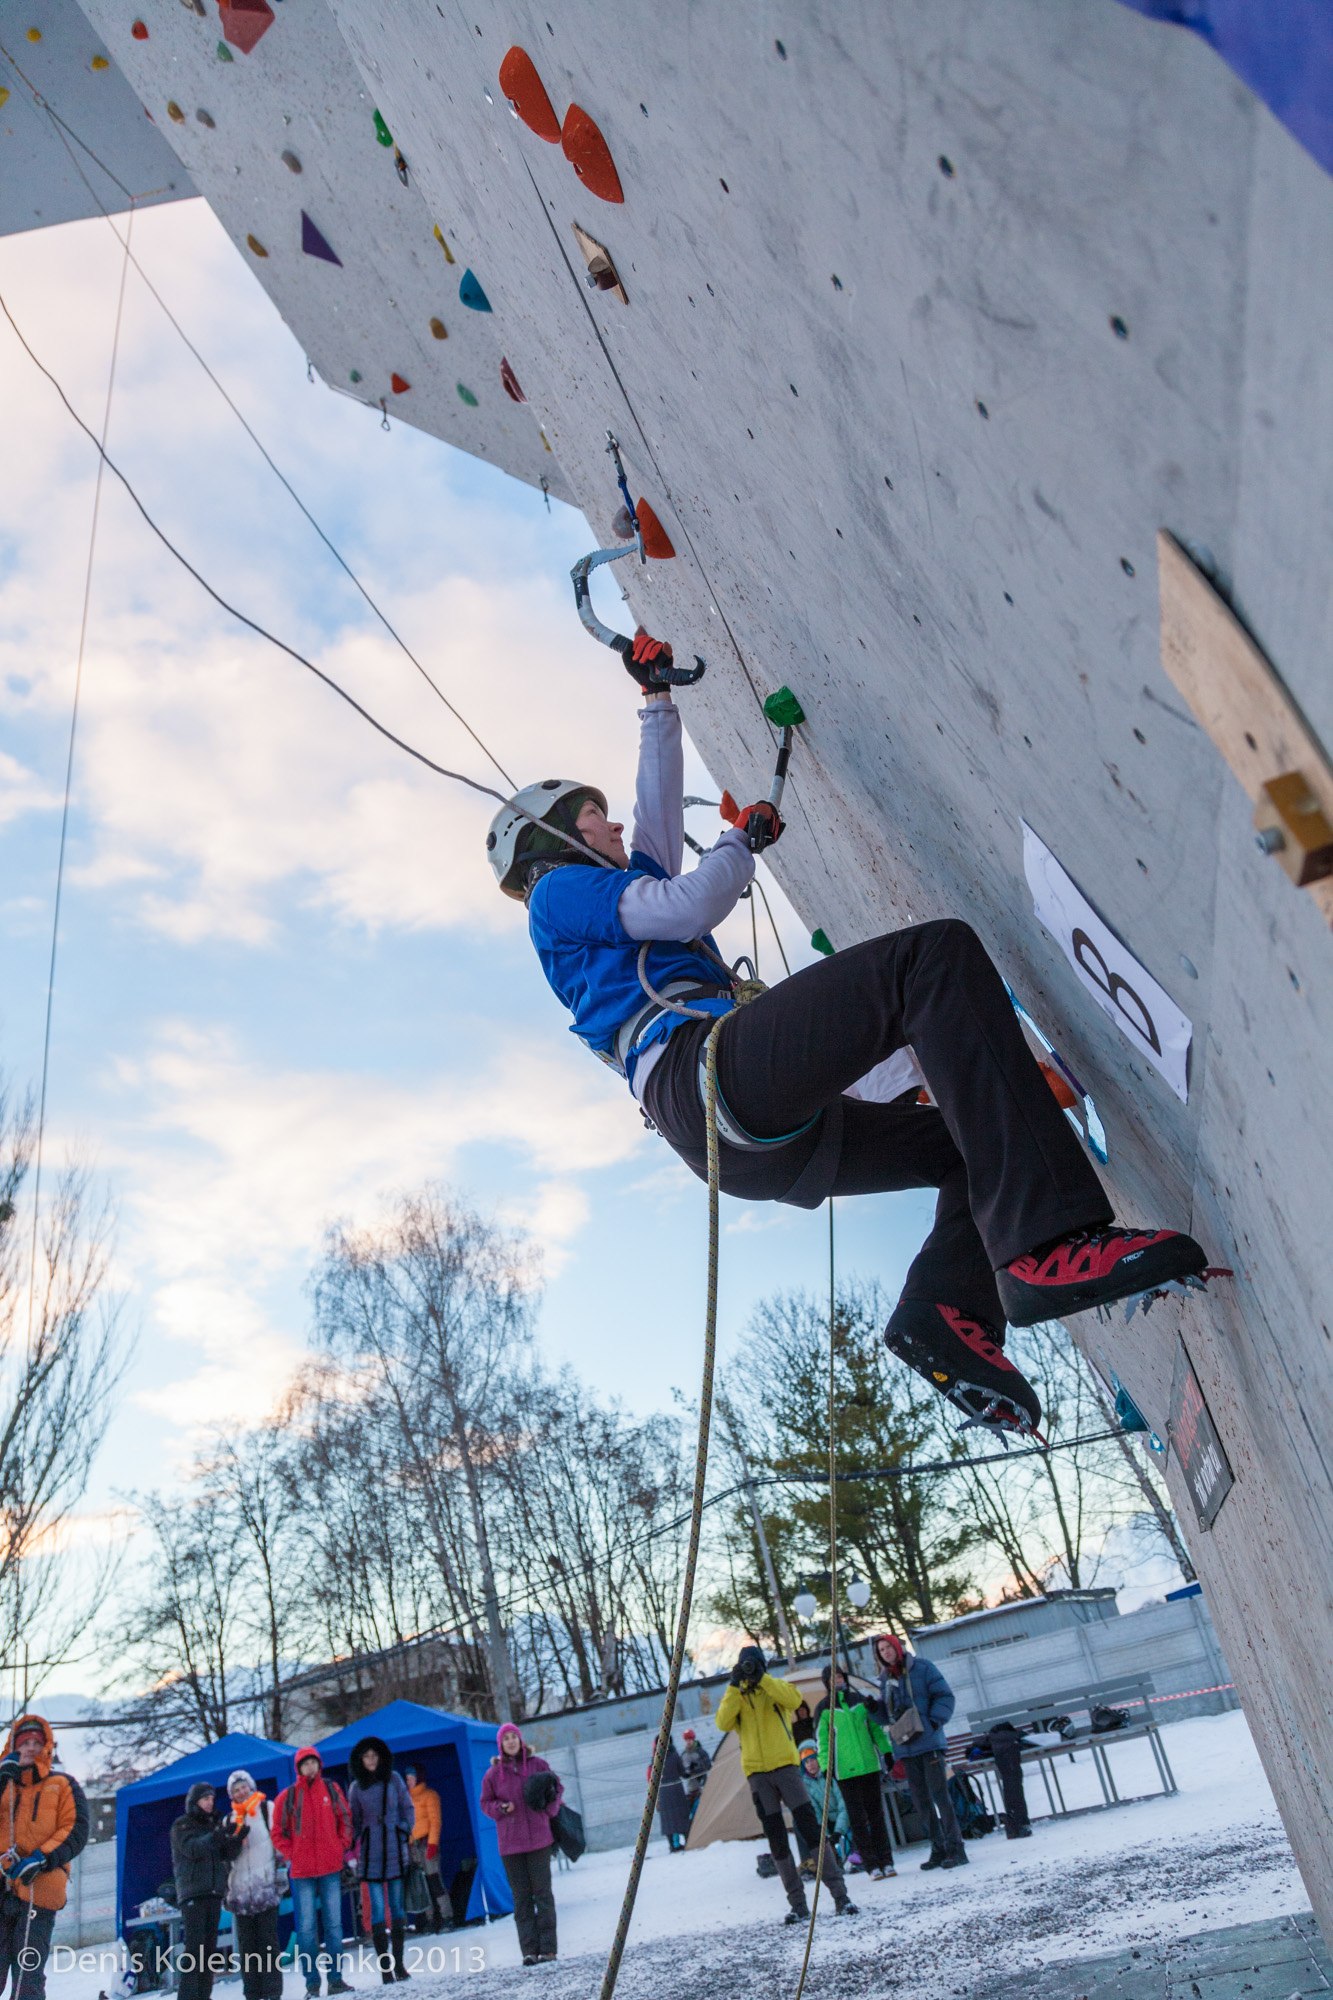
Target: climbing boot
380, 1939
963, 1357
400, 1971
1096, 1267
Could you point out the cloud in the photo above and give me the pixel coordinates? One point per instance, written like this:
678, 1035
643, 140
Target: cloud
21, 791
235, 1171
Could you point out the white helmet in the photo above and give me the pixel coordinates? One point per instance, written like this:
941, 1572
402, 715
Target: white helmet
556, 802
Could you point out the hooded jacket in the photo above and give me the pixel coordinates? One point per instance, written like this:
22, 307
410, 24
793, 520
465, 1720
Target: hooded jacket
921, 1685
46, 1809
759, 1716
312, 1823
859, 1740
524, 1830
382, 1814
426, 1808
203, 1848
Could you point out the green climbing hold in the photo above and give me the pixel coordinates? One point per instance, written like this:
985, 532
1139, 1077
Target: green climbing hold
783, 710
465, 395
356, 375
820, 941
382, 132
224, 53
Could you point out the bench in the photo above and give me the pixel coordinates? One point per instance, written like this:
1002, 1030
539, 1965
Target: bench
1124, 1691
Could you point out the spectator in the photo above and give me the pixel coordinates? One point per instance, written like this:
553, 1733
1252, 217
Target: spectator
803, 1724
757, 1706
43, 1826
917, 1702
426, 1846
382, 1821
252, 1890
695, 1764
839, 1826
524, 1829
312, 1831
673, 1812
1004, 1744
858, 1743
202, 1849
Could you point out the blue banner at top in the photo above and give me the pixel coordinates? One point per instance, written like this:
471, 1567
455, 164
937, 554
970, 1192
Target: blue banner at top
1283, 49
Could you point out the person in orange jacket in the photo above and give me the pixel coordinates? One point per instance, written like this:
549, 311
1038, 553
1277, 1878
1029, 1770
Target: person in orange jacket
43, 1826
426, 1848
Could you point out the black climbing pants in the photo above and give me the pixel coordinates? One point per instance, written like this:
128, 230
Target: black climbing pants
199, 1957
1010, 1171
1006, 1748
771, 1791
864, 1799
534, 1905
25, 1940
928, 1780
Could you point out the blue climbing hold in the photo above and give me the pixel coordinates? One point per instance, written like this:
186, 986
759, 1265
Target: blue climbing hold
470, 292
315, 243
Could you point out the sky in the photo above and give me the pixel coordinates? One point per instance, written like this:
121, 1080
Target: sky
287, 985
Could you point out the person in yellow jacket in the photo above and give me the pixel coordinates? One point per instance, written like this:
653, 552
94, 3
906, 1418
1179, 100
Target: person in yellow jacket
758, 1706
426, 1848
43, 1826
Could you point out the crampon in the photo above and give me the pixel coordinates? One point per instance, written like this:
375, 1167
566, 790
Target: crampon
962, 1355
986, 1410
1187, 1287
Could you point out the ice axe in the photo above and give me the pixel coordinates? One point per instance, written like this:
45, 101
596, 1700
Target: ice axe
784, 711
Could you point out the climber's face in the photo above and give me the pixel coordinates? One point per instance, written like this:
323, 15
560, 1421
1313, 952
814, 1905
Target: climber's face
602, 834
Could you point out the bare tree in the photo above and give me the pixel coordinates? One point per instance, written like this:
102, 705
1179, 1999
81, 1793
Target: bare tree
62, 1356
252, 1472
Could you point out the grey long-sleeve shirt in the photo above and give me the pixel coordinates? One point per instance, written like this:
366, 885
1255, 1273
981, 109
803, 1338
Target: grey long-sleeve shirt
684, 906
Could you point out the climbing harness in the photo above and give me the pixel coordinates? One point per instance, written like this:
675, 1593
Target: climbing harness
660, 675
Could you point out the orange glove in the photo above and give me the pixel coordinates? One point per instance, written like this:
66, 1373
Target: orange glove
761, 823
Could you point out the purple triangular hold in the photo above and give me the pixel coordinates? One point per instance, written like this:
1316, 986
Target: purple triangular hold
315, 244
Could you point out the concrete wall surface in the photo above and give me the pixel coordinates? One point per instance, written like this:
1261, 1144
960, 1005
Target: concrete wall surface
937, 314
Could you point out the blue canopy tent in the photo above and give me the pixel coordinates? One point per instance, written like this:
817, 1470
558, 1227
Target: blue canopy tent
146, 1809
451, 1752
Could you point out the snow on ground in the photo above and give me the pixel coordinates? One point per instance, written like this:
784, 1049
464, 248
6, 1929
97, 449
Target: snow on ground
1212, 1855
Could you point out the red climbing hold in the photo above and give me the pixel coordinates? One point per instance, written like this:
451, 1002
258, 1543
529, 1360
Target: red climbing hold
589, 155
656, 541
510, 382
527, 95
244, 21
398, 385
140, 31
1065, 1096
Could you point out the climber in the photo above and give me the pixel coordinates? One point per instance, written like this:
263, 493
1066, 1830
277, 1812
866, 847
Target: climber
818, 1077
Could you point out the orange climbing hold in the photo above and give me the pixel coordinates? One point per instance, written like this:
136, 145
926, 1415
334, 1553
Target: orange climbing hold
139, 30
589, 155
244, 21
398, 385
1066, 1098
527, 95
656, 541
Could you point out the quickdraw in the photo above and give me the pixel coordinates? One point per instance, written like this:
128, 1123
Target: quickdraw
660, 675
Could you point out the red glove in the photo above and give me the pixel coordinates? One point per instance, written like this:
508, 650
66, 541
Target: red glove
648, 660
761, 824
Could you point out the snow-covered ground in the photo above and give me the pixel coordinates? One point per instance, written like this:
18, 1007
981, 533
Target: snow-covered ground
1212, 1855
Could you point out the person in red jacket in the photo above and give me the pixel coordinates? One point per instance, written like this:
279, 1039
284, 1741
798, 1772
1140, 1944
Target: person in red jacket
312, 1831
522, 1794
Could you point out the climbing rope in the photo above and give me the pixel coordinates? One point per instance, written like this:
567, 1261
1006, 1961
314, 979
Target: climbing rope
617, 1952
831, 1764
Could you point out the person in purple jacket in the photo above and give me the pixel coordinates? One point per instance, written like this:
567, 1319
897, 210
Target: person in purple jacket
522, 1794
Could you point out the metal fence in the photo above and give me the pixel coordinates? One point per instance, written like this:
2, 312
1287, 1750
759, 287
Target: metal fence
89, 1915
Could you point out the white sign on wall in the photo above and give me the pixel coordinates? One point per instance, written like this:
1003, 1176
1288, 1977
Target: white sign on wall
1143, 1011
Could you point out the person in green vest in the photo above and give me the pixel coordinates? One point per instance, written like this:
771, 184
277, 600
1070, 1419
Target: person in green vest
859, 1744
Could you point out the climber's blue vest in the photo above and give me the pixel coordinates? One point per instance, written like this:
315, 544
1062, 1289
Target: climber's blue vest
591, 961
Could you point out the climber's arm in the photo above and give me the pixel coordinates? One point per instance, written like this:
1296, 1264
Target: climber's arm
659, 815
689, 906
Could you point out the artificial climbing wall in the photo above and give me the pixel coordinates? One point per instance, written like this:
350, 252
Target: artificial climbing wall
934, 315
278, 130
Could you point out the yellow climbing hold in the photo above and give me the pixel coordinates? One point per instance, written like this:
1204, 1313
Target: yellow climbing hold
545, 440
34, 34
254, 244
439, 238
99, 62
174, 112
4, 97
439, 329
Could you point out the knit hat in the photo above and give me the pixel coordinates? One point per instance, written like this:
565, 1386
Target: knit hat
687, 1736
29, 1726
809, 1749
242, 1778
